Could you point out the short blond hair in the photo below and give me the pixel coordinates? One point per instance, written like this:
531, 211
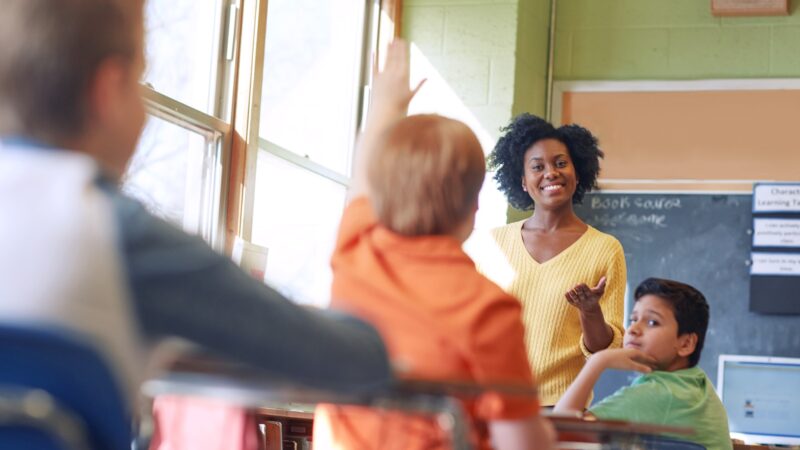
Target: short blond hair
425, 175
50, 52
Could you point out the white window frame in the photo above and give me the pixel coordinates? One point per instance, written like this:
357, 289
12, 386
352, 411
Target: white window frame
371, 20
216, 129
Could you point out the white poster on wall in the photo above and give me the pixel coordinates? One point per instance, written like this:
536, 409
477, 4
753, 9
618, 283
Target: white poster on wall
776, 197
776, 233
775, 264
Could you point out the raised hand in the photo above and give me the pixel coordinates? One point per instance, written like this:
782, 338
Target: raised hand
390, 87
389, 103
585, 298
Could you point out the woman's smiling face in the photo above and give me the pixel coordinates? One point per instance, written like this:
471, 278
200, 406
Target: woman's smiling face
548, 174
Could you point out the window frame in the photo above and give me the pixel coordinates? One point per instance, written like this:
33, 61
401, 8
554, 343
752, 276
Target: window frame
381, 25
215, 128
234, 125
215, 131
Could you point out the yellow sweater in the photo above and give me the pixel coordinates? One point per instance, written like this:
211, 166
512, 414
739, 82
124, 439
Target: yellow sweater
553, 331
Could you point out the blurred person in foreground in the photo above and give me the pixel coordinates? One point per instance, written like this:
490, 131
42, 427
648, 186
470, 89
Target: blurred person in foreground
77, 254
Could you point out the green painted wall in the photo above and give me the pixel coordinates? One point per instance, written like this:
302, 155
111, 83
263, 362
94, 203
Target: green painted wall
470, 43
671, 39
481, 48
493, 53
531, 56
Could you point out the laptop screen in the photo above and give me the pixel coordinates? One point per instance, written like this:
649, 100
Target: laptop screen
762, 398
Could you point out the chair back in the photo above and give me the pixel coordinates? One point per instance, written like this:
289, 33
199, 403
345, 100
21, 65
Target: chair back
664, 443
57, 392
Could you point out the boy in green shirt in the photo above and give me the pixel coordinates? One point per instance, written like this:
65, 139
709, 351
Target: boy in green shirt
664, 340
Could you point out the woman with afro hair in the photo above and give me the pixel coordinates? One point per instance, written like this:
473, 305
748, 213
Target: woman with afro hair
569, 276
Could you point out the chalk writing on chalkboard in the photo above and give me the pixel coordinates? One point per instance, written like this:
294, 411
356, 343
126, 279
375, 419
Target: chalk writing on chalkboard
632, 211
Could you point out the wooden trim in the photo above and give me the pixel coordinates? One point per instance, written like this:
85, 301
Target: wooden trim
677, 186
392, 12
245, 115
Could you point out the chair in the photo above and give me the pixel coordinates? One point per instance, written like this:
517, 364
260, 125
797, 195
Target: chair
664, 443
57, 392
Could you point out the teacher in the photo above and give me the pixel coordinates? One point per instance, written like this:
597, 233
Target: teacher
569, 276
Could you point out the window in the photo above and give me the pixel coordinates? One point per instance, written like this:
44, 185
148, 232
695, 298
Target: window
177, 168
278, 171
176, 173
312, 71
314, 66
299, 213
183, 44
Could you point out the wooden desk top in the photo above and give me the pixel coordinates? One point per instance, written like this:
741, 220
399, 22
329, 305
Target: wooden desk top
266, 396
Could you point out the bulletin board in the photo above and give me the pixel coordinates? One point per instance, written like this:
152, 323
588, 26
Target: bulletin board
709, 135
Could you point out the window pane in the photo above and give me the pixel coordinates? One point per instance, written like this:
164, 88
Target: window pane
312, 68
181, 51
175, 173
296, 216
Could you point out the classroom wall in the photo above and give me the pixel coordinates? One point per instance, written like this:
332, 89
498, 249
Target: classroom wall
675, 39
533, 19
485, 61
492, 54
477, 50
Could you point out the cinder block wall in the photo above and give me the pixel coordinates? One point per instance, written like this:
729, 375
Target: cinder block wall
480, 48
671, 39
531, 53
486, 61
493, 53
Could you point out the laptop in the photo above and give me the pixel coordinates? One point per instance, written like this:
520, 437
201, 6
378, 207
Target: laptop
761, 395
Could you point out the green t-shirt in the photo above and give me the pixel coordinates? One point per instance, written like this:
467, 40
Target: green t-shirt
681, 398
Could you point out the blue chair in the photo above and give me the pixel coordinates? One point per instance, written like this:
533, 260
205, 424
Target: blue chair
664, 443
57, 392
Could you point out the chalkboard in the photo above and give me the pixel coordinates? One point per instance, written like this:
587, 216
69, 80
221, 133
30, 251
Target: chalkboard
703, 240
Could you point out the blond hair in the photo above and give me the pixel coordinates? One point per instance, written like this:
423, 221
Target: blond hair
50, 52
425, 175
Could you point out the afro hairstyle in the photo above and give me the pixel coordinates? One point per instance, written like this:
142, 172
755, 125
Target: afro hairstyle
523, 132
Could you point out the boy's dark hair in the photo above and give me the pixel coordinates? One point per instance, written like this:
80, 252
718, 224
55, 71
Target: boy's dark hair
526, 130
688, 304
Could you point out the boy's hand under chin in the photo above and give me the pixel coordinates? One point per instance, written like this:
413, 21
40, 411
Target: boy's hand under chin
624, 359
579, 392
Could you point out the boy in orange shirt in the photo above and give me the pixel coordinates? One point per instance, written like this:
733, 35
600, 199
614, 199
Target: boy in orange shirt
398, 263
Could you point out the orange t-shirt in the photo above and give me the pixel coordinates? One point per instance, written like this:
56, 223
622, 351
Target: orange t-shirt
441, 320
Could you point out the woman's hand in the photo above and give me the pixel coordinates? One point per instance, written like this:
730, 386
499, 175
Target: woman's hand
585, 298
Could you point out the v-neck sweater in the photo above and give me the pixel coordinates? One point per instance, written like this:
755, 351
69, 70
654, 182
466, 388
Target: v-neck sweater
552, 326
